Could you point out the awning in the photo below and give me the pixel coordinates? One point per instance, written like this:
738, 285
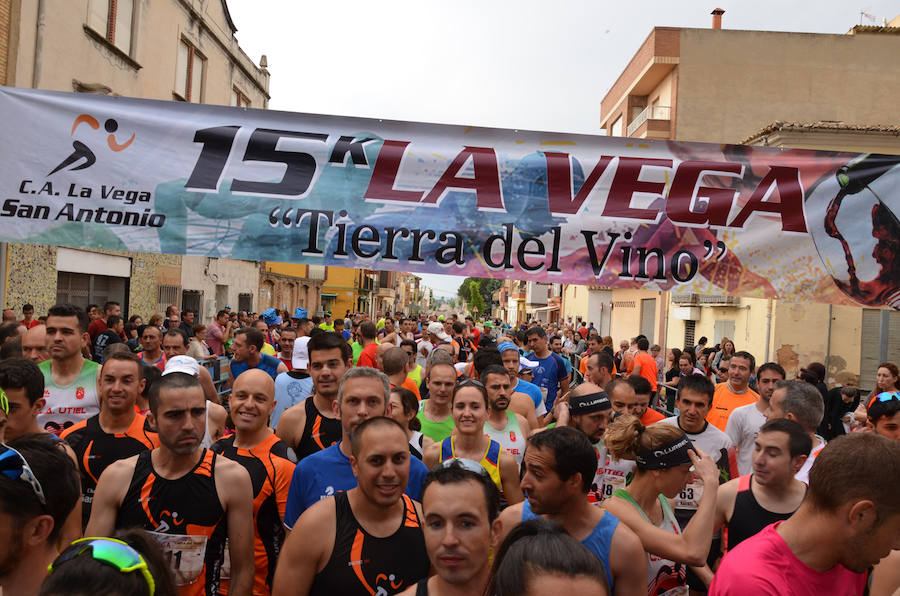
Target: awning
324, 295
543, 308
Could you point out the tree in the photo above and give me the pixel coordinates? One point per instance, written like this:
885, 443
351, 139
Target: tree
486, 287
476, 302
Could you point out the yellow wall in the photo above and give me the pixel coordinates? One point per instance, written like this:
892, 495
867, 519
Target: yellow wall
625, 321
292, 269
343, 282
575, 302
801, 337
749, 326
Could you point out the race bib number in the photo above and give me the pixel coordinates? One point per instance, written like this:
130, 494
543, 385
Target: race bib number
185, 555
689, 497
225, 572
611, 484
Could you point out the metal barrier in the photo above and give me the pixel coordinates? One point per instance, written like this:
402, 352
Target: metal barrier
219, 369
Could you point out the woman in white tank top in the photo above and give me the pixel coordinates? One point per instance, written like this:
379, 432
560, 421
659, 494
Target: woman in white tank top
666, 460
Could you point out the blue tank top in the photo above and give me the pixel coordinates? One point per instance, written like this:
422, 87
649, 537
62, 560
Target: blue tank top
266, 363
598, 542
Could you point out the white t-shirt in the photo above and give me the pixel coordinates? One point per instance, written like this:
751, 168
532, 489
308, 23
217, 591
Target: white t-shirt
742, 428
803, 474
715, 444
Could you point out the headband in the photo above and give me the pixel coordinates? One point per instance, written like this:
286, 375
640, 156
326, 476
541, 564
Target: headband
673, 453
589, 403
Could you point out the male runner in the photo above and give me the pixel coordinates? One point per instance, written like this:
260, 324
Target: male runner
502, 425
151, 347
286, 347
511, 359
270, 463
437, 422
551, 371
248, 345
882, 414
589, 410
188, 497
801, 402
693, 402
34, 344
644, 363
367, 540
559, 465
733, 393
395, 364
107, 337
216, 415
22, 382
295, 385
363, 393
745, 421
175, 343
519, 403
643, 393
748, 504
117, 432
599, 367
38, 493
313, 425
849, 521
622, 396
367, 335
416, 372
460, 505
70, 381
100, 324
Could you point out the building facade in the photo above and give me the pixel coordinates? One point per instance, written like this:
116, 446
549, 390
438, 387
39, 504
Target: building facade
799, 90
174, 50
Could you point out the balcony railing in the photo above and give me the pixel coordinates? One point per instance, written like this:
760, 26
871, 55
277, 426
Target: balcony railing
649, 113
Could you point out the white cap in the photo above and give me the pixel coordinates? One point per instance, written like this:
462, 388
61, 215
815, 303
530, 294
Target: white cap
300, 358
182, 364
437, 329
526, 363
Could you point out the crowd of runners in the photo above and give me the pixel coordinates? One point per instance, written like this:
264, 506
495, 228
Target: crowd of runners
284, 453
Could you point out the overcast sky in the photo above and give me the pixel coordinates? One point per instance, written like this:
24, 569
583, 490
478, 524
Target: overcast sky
528, 64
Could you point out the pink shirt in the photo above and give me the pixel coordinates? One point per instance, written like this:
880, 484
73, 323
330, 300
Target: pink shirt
215, 337
764, 564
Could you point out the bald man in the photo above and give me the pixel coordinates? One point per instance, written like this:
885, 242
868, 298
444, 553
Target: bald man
34, 344
268, 460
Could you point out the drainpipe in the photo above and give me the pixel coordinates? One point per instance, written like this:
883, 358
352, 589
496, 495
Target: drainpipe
39, 43
769, 327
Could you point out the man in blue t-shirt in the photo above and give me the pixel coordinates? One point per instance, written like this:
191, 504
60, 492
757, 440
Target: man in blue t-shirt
551, 371
512, 362
248, 343
363, 394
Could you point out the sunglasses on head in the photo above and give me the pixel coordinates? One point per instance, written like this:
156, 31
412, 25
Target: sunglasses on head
885, 396
113, 552
466, 464
470, 383
14, 467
